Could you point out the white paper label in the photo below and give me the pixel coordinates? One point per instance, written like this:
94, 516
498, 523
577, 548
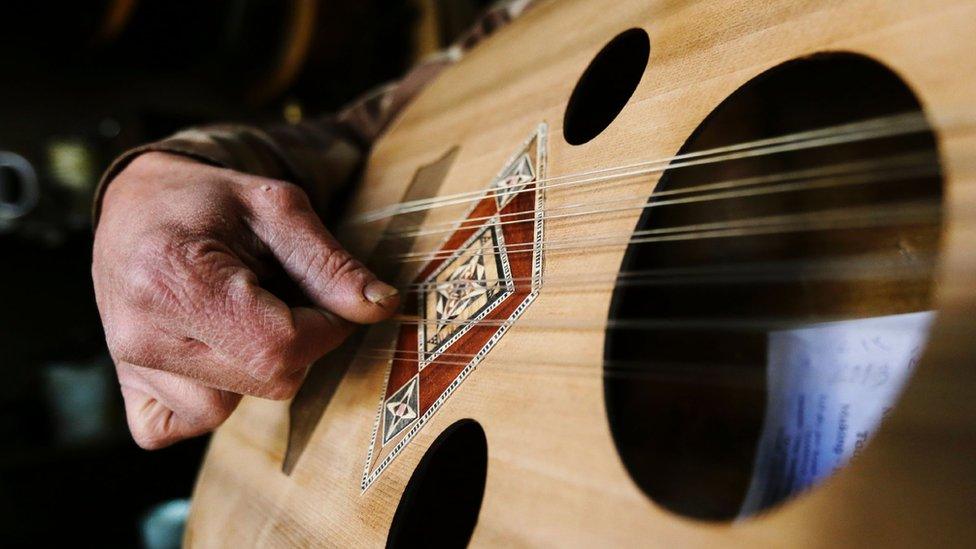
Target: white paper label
828, 387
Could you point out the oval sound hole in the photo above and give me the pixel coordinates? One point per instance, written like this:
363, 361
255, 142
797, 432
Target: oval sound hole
606, 86
758, 349
439, 507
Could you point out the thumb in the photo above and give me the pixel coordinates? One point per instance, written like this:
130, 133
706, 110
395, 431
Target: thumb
328, 274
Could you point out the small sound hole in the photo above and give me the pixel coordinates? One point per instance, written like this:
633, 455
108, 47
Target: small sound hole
440, 505
774, 328
606, 86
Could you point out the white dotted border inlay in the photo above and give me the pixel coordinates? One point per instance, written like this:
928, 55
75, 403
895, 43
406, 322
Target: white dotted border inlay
541, 134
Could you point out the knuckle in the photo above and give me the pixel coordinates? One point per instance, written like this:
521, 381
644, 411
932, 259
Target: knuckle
315, 266
282, 196
152, 281
147, 286
194, 251
179, 275
283, 388
339, 266
273, 357
212, 271
237, 286
279, 363
128, 343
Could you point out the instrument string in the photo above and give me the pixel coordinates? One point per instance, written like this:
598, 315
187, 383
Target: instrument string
639, 324
925, 163
836, 219
877, 128
717, 373
889, 267
876, 267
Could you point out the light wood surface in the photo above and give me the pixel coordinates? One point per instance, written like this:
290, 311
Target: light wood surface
554, 476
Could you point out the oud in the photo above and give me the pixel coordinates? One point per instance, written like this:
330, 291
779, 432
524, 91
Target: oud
674, 273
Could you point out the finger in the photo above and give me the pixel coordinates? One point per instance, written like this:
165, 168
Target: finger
270, 344
202, 297
259, 364
326, 272
163, 408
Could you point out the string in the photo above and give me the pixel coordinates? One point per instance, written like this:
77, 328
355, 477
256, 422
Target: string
858, 131
908, 212
873, 265
738, 324
891, 163
878, 169
876, 128
716, 372
407, 354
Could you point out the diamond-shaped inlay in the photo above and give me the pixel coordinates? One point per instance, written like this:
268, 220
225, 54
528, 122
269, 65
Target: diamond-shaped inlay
475, 285
464, 289
400, 410
513, 180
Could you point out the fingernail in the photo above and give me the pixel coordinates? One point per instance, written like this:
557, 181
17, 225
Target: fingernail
378, 292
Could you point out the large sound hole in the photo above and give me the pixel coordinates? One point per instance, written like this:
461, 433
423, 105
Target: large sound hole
732, 323
439, 507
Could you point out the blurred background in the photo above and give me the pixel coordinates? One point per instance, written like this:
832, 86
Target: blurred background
81, 82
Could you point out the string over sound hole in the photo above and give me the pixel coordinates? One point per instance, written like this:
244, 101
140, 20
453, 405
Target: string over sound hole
732, 381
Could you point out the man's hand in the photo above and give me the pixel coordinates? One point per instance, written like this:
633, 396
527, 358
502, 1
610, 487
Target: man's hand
180, 253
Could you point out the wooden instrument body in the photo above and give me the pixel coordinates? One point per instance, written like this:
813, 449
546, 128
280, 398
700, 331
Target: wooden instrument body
554, 475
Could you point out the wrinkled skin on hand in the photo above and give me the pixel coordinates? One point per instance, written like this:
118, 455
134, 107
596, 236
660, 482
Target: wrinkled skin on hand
180, 254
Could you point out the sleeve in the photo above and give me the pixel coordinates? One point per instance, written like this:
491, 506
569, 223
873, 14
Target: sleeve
324, 155
318, 155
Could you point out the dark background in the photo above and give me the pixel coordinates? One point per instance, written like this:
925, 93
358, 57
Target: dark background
81, 82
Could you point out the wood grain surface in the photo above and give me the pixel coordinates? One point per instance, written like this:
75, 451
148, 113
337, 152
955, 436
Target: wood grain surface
554, 476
